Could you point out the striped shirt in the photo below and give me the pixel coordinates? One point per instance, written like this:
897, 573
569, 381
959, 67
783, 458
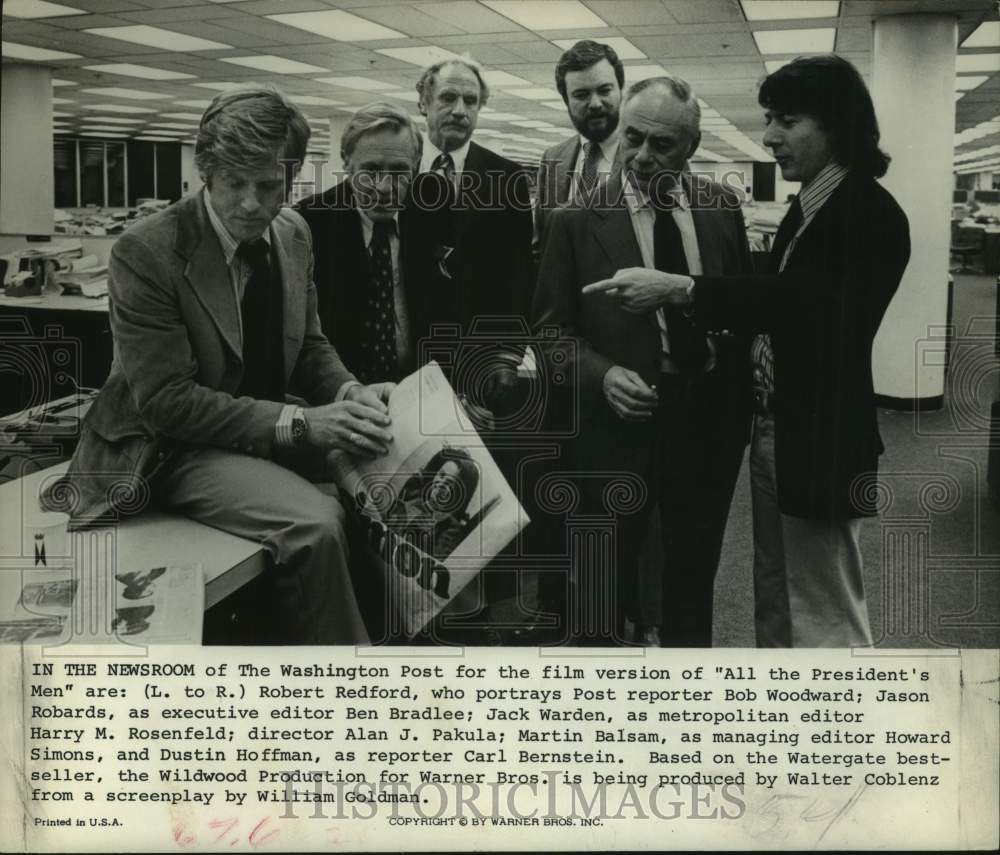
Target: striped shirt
812, 197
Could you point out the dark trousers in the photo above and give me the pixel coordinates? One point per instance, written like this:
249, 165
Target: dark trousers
687, 461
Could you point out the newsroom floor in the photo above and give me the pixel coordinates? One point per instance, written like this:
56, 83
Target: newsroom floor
932, 559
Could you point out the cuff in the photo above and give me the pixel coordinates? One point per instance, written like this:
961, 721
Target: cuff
688, 309
344, 389
283, 429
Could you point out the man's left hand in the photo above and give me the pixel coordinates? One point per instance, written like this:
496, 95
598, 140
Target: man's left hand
374, 395
640, 290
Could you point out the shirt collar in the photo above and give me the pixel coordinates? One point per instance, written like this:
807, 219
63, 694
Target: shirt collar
609, 148
431, 151
813, 195
368, 225
228, 243
636, 200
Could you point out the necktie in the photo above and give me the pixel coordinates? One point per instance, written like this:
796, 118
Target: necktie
381, 334
688, 347
761, 351
444, 165
261, 309
588, 172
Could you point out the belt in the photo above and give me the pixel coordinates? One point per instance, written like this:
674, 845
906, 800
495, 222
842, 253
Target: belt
763, 400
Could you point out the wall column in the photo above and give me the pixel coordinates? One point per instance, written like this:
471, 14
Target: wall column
27, 182
913, 86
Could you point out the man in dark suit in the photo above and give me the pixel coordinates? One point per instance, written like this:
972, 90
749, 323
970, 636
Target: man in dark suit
589, 77
490, 270
837, 260
665, 407
223, 388
376, 264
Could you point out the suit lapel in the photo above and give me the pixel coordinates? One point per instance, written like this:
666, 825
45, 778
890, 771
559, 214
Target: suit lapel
708, 228
285, 246
564, 169
611, 226
208, 275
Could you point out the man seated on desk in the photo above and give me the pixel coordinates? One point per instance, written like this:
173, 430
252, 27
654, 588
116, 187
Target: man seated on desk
375, 260
213, 312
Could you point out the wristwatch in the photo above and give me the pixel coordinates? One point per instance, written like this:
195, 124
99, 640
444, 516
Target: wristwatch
300, 427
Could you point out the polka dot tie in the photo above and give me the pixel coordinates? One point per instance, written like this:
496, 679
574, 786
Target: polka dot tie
380, 334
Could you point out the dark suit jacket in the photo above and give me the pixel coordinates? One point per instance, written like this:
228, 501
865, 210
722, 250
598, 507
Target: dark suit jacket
555, 171
178, 356
822, 313
490, 230
585, 245
343, 269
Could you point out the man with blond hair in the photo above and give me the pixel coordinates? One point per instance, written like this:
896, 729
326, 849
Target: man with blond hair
223, 388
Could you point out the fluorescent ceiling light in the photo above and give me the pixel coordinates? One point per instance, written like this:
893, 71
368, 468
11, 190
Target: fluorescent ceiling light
531, 123
13, 50
778, 10
164, 133
986, 34
146, 72
102, 134
158, 139
187, 128
62, 115
422, 56
707, 154
63, 101
977, 153
112, 128
194, 117
119, 92
534, 93
194, 103
978, 62
500, 117
365, 84
959, 95
772, 65
503, 78
546, 14
635, 73
38, 9
819, 40
112, 120
62, 131
57, 82
970, 82
222, 87
273, 64
157, 37
314, 101
337, 25
554, 105
118, 108
621, 46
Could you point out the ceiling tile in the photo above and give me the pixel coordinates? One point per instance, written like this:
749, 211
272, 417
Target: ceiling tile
471, 17
621, 13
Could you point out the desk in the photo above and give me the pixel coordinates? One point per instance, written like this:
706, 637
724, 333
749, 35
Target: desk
991, 243
51, 345
150, 539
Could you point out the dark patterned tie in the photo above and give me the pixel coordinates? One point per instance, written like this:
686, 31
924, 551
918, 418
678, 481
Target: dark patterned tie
688, 346
761, 351
588, 173
382, 308
444, 165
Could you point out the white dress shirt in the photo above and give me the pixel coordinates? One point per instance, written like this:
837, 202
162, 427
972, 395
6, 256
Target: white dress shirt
431, 152
643, 216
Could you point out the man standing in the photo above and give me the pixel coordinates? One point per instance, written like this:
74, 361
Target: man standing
213, 312
375, 261
589, 77
490, 228
837, 260
661, 401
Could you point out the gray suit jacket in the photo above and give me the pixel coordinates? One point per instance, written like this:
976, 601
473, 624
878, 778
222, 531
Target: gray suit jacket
587, 244
178, 358
555, 171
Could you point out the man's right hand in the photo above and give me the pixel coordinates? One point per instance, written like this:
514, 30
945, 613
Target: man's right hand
628, 395
349, 426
